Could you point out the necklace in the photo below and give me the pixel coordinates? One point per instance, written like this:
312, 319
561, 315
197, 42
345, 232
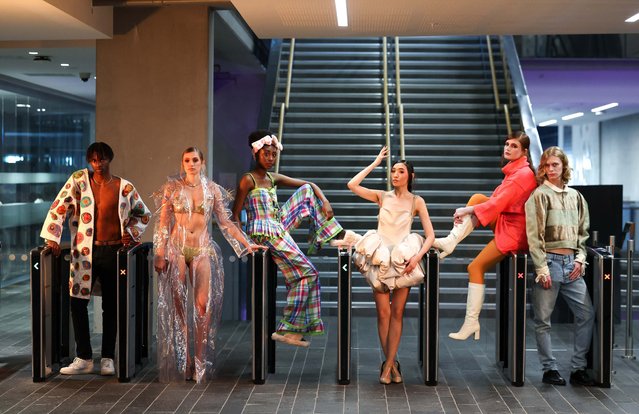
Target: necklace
97, 183
189, 184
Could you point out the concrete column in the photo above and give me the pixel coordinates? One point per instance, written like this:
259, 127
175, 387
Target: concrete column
152, 91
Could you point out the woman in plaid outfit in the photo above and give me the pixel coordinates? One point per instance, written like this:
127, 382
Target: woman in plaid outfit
268, 224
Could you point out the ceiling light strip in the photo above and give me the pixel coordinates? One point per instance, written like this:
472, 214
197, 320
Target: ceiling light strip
632, 19
604, 107
572, 116
342, 14
548, 122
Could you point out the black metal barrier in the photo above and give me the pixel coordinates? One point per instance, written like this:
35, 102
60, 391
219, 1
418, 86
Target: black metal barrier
263, 289
51, 337
428, 352
510, 333
134, 309
599, 279
344, 325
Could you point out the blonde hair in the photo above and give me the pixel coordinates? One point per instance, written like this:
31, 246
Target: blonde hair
554, 152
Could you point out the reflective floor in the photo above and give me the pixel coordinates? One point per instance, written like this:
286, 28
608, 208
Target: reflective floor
305, 381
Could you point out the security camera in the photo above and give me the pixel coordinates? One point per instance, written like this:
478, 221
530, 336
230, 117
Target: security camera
84, 76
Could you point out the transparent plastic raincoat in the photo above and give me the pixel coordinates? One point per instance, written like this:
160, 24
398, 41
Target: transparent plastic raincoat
186, 334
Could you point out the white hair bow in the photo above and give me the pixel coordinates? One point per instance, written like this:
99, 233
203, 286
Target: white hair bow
266, 140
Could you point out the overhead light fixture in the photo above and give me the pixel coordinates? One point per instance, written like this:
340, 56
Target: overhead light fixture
23, 105
604, 107
598, 113
572, 116
632, 19
548, 122
33, 53
342, 14
64, 65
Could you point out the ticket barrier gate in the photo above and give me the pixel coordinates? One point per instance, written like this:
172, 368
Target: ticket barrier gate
428, 305
263, 289
428, 318
510, 333
135, 309
344, 316
51, 336
599, 279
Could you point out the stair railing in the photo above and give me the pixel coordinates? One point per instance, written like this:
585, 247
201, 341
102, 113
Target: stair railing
493, 74
509, 86
400, 106
386, 110
284, 106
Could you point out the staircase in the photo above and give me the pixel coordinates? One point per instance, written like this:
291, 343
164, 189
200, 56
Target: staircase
454, 136
334, 127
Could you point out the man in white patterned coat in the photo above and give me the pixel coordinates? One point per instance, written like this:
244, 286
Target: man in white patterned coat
105, 212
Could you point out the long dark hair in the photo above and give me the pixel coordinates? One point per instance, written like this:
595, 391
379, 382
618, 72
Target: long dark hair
411, 173
524, 140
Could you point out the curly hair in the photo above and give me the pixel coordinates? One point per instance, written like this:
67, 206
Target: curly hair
554, 152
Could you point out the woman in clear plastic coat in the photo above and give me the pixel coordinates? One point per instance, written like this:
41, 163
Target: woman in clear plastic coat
185, 250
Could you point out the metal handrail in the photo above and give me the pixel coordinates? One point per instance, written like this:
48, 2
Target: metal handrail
400, 105
284, 106
289, 75
386, 110
507, 116
509, 87
493, 74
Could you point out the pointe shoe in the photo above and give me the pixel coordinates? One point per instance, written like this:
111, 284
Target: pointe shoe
396, 374
350, 239
385, 374
447, 244
474, 303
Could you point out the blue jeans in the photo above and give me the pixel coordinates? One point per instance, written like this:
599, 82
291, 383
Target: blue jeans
576, 295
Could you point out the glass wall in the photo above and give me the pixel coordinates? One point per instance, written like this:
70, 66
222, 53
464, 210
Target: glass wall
43, 140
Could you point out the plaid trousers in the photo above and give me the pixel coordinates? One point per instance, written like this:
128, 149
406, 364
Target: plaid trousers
302, 313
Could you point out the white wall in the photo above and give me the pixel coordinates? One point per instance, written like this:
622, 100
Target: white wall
620, 154
585, 157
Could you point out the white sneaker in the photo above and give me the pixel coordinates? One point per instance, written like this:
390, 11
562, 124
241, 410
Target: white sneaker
78, 366
106, 367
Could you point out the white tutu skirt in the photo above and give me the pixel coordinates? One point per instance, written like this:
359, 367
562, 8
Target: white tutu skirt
383, 266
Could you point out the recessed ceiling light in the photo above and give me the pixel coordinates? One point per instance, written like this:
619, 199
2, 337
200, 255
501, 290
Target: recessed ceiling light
572, 116
548, 122
33, 53
632, 19
342, 14
23, 105
64, 64
604, 107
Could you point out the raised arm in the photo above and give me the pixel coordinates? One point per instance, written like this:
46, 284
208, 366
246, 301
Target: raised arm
363, 192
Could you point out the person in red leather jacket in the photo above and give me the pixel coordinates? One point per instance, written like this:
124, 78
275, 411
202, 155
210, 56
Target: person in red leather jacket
504, 213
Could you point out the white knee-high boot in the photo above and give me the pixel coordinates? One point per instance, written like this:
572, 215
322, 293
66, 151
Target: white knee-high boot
459, 232
474, 303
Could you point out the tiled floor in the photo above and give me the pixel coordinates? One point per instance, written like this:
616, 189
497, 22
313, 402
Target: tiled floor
305, 380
